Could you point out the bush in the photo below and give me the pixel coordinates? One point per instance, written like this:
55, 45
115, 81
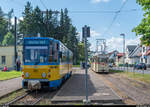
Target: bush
131, 65
120, 65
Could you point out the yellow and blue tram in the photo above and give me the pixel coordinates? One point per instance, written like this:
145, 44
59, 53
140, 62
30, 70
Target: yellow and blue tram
46, 63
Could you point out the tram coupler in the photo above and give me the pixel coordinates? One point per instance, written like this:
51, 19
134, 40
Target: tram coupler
34, 85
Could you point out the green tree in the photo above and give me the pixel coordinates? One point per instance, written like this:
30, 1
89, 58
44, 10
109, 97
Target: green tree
26, 26
50, 26
10, 13
37, 25
8, 39
62, 26
144, 28
3, 26
81, 51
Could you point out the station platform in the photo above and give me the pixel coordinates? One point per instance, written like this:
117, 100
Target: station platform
8, 86
74, 90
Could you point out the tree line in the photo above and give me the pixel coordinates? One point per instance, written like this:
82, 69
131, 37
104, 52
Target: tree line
143, 29
55, 24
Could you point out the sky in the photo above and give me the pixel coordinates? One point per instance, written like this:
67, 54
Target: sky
89, 12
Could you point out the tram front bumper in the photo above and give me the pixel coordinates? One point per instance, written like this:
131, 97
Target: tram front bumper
34, 84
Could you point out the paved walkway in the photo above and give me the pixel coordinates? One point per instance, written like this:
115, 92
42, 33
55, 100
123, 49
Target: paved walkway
9, 86
74, 89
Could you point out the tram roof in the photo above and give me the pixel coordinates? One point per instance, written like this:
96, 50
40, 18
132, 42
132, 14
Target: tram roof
33, 38
38, 38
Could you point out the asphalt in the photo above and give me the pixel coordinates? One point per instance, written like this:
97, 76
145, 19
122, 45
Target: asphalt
74, 90
9, 86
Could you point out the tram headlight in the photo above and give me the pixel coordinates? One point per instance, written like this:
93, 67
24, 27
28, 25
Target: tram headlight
27, 74
43, 74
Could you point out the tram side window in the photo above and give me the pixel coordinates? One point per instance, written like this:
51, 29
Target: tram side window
51, 52
64, 56
71, 58
103, 60
56, 52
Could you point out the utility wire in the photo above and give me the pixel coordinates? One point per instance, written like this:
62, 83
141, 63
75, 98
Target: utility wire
17, 2
43, 4
115, 17
104, 11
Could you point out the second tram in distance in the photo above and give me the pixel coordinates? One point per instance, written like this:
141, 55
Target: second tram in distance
99, 63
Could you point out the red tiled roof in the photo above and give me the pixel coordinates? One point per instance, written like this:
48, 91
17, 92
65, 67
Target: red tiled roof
110, 52
120, 54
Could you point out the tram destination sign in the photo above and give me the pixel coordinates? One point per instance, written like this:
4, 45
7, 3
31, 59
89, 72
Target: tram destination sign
36, 42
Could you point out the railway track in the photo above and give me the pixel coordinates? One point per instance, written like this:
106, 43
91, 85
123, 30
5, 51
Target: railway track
16, 99
29, 98
129, 93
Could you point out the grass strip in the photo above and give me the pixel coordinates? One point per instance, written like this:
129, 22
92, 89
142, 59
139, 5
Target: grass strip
76, 65
134, 75
9, 75
11, 96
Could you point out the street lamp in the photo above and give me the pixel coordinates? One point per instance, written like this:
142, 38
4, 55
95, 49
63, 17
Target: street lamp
122, 34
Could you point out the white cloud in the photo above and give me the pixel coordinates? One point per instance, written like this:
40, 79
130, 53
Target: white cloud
94, 33
13, 20
98, 1
123, 1
116, 43
79, 36
118, 24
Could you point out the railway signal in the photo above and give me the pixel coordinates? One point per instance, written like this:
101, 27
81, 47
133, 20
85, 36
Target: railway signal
85, 34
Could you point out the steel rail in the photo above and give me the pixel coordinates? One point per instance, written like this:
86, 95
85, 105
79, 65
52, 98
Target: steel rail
16, 99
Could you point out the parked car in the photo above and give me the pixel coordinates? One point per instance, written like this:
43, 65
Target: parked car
110, 65
140, 66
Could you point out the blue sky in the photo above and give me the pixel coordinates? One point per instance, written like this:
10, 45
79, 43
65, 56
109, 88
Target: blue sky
98, 22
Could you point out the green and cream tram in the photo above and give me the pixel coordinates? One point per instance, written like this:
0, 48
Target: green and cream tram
100, 63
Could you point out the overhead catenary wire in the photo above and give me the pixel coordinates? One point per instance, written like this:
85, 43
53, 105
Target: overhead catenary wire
17, 2
115, 17
43, 4
104, 11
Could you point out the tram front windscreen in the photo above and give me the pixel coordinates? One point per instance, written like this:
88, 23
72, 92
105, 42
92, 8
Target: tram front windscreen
36, 51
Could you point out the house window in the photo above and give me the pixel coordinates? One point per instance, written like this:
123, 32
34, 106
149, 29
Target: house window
3, 59
145, 60
141, 59
143, 49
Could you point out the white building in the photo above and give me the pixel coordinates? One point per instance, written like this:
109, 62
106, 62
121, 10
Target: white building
145, 58
135, 55
129, 50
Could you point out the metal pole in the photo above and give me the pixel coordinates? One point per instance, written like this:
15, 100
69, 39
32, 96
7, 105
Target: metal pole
86, 59
47, 24
124, 51
15, 48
